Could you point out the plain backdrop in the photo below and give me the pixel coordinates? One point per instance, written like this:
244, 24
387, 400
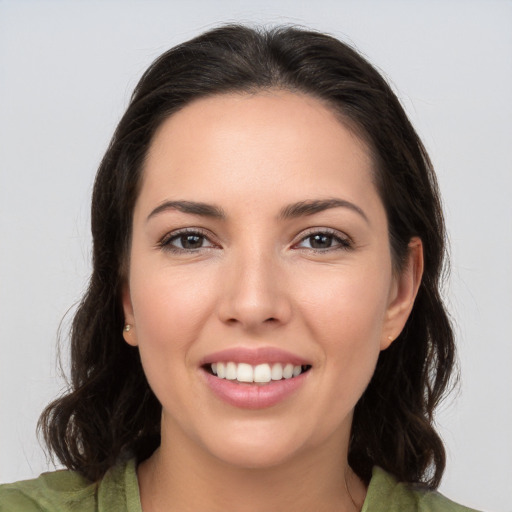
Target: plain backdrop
67, 69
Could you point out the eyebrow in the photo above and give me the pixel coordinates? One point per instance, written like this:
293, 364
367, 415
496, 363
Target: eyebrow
191, 207
304, 208
291, 211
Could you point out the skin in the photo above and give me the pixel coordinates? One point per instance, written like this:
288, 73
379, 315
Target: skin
255, 280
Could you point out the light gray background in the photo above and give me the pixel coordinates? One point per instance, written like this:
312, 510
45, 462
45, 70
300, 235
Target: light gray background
66, 72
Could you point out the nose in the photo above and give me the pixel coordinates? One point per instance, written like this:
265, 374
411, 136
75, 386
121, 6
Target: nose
254, 292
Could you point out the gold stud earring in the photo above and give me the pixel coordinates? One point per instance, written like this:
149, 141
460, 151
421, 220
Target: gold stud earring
390, 338
127, 328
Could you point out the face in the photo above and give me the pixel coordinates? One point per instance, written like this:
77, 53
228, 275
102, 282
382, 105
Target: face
260, 252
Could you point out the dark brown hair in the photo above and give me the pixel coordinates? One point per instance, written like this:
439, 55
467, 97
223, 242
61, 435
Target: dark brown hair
109, 410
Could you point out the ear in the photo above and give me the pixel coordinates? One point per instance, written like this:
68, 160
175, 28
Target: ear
129, 330
403, 293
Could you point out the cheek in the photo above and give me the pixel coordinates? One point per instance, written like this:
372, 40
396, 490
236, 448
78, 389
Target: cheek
345, 304
170, 310
166, 301
344, 313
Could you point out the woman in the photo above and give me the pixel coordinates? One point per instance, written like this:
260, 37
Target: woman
263, 326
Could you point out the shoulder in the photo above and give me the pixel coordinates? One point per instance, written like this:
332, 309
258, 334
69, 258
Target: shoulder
51, 491
385, 494
65, 491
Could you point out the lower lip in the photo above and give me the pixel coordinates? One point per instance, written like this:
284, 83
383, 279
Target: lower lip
254, 396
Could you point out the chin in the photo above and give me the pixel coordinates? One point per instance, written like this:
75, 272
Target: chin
255, 457
257, 449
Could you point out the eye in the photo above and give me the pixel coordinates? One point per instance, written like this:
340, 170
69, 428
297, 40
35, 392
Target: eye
324, 241
185, 241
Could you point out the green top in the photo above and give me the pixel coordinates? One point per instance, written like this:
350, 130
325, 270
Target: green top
118, 491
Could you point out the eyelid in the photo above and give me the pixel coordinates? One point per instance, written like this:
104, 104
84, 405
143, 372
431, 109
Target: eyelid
164, 241
346, 241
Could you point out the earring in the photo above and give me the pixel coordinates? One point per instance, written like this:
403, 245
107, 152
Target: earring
127, 328
390, 338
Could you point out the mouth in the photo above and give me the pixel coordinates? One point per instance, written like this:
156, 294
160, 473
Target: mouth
260, 374
255, 378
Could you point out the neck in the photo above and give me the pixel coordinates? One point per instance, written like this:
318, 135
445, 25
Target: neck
179, 476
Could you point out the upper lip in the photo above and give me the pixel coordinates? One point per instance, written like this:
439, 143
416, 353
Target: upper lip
254, 356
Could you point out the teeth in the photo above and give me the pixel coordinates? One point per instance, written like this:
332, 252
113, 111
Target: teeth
244, 373
231, 372
261, 373
277, 371
288, 371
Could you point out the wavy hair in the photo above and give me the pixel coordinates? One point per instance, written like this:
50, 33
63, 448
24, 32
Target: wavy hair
109, 409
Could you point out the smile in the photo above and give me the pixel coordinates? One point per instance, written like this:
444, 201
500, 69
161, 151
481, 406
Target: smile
255, 378
261, 373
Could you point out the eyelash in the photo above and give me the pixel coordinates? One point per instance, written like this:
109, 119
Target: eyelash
343, 243
166, 242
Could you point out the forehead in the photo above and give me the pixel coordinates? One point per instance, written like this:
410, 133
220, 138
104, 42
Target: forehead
247, 145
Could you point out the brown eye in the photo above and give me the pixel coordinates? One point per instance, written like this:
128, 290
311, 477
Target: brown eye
319, 241
186, 241
189, 241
